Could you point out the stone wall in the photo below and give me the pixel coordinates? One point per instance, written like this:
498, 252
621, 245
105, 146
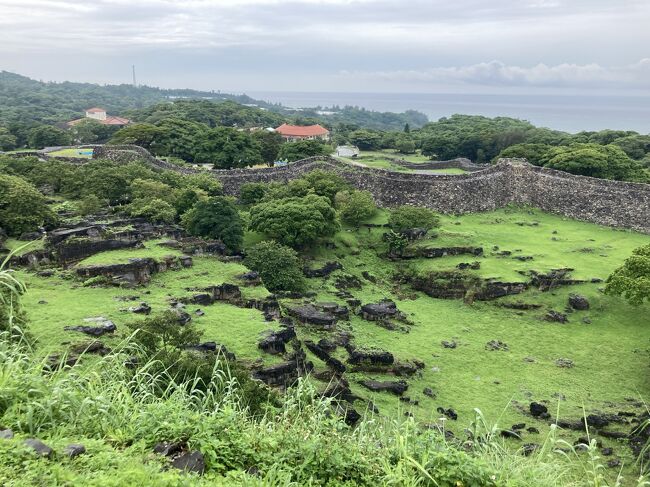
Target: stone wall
612, 203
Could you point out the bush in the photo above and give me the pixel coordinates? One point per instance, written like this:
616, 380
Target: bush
252, 193
155, 210
295, 151
90, 205
406, 217
216, 218
325, 183
47, 135
295, 222
355, 206
22, 206
277, 265
632, 279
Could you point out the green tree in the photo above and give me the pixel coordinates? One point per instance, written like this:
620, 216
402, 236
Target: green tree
217, 218
406, 146
407, 217
8, 141
90, 205
302, 149
153, 209
22, 206
252, 193
270, 144
277, 265
148, 189
632, 279
295, 222
537, 154
325, 183
366, 139
180, 138
598, 161
90, 131
227, 148
355, 206
142, 134
48, 136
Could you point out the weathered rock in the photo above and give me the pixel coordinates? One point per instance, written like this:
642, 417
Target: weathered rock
185, 260
578, 302
450, 413
274, 343
552, 279
427, 391
449, 344
103, 326
520, 305
607, 452
39, 447
437, 252
322, 354
74, 450
371, 357
324, 271
383, 310
142, 308
398, 388
76, 249
469, 265
564, 363
212, 347
537, 409
510, 434
309, 314
6, 434
494, 345
615, 463
529, 448
190, 462
406, 369
168, 448
556, 316
95, 347
135, 272
226, 292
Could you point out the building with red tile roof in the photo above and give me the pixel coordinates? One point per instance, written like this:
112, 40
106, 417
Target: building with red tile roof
100, 115
297, 132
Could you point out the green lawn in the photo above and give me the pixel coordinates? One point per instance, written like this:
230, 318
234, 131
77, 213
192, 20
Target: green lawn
610, 353
74, 152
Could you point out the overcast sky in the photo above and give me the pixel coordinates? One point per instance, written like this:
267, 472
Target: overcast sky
465, 46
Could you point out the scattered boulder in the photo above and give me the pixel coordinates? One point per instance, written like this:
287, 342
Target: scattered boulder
398, 388
103, 326
190, 462
537, 409
371, 357
510, 434
578, 302
469, 265
168, 448
615, 463
274, 342
564, 363
341, 312
450, 413
412, 234
496, 345
552, 279
437, 252
74, 450
39, 447
381, 311
449, 344
310, 314
532, 430
529, 448
6, 434
607, 452
556, 316
95, 347
322, 354
142, 308
427, 391
324, 271
183, 316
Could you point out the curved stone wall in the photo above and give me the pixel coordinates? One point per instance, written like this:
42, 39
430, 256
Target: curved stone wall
612, 203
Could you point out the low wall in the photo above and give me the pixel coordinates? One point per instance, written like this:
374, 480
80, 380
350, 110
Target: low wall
612, 203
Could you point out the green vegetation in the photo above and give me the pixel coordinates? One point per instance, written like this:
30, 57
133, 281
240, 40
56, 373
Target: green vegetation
408, 217
355, 206
632, 279
278, 266
216, 218
22, 206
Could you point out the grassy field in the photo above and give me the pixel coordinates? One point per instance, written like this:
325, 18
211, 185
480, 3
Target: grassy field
73, 152
610, 352
383, 160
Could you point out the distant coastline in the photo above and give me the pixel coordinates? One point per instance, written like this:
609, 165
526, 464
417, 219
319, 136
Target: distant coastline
561, 112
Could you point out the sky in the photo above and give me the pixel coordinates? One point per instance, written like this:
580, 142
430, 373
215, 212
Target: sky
401, 46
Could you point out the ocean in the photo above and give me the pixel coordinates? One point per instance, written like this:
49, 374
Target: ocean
561, 112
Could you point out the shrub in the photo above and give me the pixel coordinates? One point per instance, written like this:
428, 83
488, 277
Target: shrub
355, 206
406, 217
295, 222
216, 218
22, 206
632, 279
155, 210
277, 265
295, 151
90, 205
252, 193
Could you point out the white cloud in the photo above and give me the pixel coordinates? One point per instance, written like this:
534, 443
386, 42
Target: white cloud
496, 73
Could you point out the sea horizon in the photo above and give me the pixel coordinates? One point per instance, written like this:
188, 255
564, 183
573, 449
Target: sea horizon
570, 113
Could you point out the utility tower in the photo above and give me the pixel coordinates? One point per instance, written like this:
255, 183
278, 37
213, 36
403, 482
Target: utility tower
134, 82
